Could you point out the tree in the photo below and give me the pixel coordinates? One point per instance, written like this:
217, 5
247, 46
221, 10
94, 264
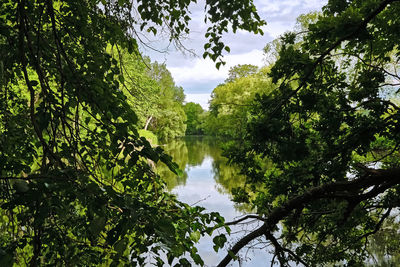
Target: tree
240, 71
194, 118
76, 186
153, 95
167, 117
332, 135
271, 50
141, 89
230, 103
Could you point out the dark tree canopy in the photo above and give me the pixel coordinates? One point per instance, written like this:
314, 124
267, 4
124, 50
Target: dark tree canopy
330, 132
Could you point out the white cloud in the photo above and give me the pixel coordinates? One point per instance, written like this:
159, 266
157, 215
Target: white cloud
314, 4
283, 7
275, 29
202, 69
201, 99
281, 14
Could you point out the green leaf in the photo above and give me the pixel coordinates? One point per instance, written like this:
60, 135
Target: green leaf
219, 242
183, 262
166, 227
6, 259
121, 246
21, 186
234, 257
195, 236
197, 259
97, 225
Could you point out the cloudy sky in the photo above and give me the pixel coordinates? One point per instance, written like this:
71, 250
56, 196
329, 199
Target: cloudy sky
199, 77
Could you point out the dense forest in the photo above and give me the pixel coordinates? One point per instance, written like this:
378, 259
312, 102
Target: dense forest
84, 114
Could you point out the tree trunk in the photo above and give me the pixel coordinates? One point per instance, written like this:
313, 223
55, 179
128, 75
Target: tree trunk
148, 122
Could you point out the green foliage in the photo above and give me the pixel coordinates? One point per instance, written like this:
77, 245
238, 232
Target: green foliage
153, 95
76, 184
167, 116
331, 135
141, 89
231, 102
272, 49
240, 71
221, 14
383, 246
195, 116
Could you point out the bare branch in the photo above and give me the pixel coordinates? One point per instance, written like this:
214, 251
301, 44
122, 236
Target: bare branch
246, 217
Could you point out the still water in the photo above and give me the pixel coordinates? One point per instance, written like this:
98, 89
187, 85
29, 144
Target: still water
207, 182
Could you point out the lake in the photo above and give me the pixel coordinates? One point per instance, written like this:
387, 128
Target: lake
206, 182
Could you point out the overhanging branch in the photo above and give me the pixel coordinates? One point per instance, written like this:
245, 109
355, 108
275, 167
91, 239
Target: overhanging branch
381, 179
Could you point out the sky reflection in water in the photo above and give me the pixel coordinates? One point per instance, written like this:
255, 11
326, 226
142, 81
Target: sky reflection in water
204, 166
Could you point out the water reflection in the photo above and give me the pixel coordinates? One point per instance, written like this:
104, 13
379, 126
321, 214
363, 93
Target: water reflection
384, 246
191, 152
179, 151
207, 181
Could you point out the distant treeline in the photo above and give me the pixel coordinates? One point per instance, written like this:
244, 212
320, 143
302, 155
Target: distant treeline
230, 103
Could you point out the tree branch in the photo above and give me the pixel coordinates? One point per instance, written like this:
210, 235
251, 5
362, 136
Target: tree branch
249, 216
383, 179
278, 248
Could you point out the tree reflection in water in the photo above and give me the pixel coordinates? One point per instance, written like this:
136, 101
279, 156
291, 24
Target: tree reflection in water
179, 152
190, 152
384, 246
